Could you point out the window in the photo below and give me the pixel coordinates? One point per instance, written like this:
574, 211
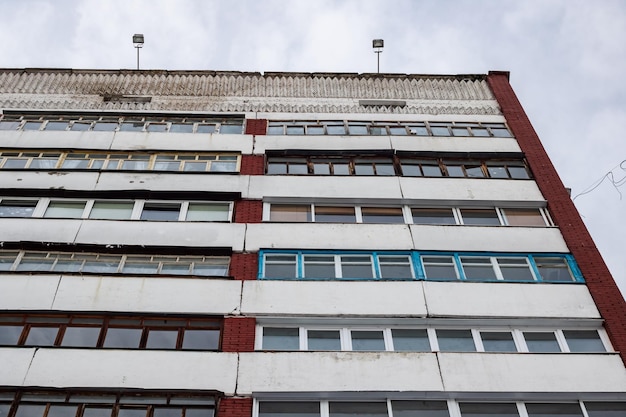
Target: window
524, 217
498, 341
382, 215
290, 213
605, 409
397, 265
17, 208
488, 409
433, 216
99, 403
410, 340
135, 161
455, 340
289, 409
584, 341
542, 342
480, 217
275, 338
99, 263
553, 410
98, 331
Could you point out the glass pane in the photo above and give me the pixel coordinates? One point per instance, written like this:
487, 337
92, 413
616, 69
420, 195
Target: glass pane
341, 168
382, 215
433, 216
541, 342
324, 340
460, 131
78, 126
395, 267
205, 212
515, 269
4, 408
201, 339
205, 128
410, 340
518, 173
501, 133
474, 171
131, 126
481, 217
135, 165
65, 209
41, 336
9, 125
56, 125
321, 168
327, 214
420, 409
10, 335
358, 409
478, 269
280, 266
554, 410
103, 265
168, 412
167, 165
133, 412
289, 409
439, 267
497, 172
398, 131
480, 131
454, 170
367, 340
32, 125
606, 409
17, 208
276, 338
498, 342
30, 410
136, 267
44, 163
216, 270
161, 339
363, 169
455, 341
195, 166
160, 212
62, 410
15, 163
35, 262
111, 210
157, 127
296, 169
275, 130
315, 130
336, 129
553, 269
488, 409
524, 217
295, 130
105, 127
75, 164
81, 336
290, 213
357, 129
439, 131
385, 169
409, 170
181, 128
584, 341
319, 267
432, 170
122, 338
231, 129
356, 267
224, 166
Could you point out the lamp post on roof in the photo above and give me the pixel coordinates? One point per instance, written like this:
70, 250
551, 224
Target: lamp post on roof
378, 45
138, 41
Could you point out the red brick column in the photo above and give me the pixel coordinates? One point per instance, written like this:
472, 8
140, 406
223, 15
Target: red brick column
244, 266
252, 165
256, 126
238, 334
234, 407
602, 287
248, 211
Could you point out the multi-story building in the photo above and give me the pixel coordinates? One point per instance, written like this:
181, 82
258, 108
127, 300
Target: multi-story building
285, 244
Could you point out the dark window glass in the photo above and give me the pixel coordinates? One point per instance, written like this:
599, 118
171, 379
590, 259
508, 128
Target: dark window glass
131, 126
368, 340
30, 410
410, 340
204, 128
122, 338
480, 217
541, 342
432, 170
488, 409
17, 208
356, 267
81, 337
360, 409
62, 410
289, 409
455, 341
411, 170
201, 339
420, 409
553, 410
497, 172
584, 341
498, 342
324, 340
439, 267
433, 216
382, 215
32, 125
606, 409
478, 268
95, 411
363, 169
518, 173
160, 211
454, 170
276, 338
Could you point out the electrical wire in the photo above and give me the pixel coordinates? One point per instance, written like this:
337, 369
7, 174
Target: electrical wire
611, 177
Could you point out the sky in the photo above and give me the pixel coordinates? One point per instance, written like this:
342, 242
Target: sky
567, 60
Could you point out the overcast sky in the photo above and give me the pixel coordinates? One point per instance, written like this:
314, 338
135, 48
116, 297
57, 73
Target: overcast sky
567, 60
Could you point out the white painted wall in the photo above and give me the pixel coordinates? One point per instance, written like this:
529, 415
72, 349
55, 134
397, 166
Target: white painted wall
148, 295
488, 238
337, 371
50, 179
532, 372
499, 299
327, 236
396, 116
333, 298
454, 144
27, 292
159, 181
132, 369
39, 230
15, 364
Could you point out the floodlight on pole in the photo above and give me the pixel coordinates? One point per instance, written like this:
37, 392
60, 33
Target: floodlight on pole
378, 45
138, 41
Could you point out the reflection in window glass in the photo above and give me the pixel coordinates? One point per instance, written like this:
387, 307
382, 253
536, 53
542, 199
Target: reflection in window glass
455, 341
541, 342
122, 338
480, 217
498, 342
323, 340
280, 266
328, 214
319, 266
524, 217
395, 267
41, 336
276, 338
17, 208
160, 211
81, 336
62, 410
553, 269
515, 269
30, 410
10, 335
356, 267
477, 268
584, 341
410, 340
95, 411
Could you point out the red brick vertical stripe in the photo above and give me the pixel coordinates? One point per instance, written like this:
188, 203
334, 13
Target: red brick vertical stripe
248, 211
252, 165
238, 334
256, 127
602, 287
244, 266
234, 407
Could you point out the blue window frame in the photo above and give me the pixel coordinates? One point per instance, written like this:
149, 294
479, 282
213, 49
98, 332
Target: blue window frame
417, 265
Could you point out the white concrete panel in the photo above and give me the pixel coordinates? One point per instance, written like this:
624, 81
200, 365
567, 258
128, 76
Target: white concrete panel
454, 144
182, 142
499, 299
229, 235
65, 140
160, 181
15, 363
151, 294
325, 187
333, 298
328, 143
463, 190
516, 372
327, 236
50, 179
27, 292
133, 369
39, 230
488, 238
10, 138
337, 371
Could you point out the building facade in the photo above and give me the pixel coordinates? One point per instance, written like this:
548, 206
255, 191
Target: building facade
197, 243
